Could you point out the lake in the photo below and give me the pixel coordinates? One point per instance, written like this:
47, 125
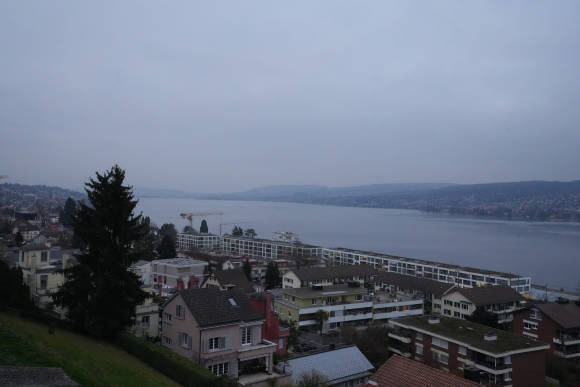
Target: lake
548, 252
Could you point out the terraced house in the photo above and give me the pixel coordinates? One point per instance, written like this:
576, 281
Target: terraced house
220, 330
346, 304
501, 300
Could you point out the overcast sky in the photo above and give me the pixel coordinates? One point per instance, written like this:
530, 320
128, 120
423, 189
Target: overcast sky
225, 96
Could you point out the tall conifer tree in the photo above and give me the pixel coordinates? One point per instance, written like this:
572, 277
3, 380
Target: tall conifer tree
100, 294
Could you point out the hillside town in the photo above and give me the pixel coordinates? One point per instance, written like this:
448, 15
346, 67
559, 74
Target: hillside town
259, 311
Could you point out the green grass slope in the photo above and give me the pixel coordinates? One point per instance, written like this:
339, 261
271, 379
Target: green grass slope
89, 362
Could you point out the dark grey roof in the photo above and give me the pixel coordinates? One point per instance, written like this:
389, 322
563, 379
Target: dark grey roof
565, 315
234, 277
489, 295
211, 306
331, 272
34, 376
413, 283
470, 334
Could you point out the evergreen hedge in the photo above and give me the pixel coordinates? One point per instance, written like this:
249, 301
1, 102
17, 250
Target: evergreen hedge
183, 371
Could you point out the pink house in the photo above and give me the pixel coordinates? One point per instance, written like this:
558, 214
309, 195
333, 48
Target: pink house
220, 330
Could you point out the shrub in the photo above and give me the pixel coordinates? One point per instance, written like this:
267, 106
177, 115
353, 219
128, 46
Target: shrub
183, 371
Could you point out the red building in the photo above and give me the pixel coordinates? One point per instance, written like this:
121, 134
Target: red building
271, 329
476, 352
556, 323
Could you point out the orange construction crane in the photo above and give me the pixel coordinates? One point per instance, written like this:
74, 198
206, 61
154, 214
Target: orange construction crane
190, 215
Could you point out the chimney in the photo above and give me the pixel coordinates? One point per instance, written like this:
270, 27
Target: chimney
180, 285
192, 283
490, 336
434, 320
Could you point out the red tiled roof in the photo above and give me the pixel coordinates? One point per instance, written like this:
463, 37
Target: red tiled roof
401, 372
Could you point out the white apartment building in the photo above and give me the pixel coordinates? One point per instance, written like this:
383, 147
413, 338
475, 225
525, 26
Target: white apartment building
267, 249
442, 272
207, 242
168, 274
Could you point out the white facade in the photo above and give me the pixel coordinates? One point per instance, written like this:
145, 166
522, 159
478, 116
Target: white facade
165, 273
207, 242
452, 274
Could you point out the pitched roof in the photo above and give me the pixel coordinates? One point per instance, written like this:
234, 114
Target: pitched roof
234, 277
341, 271
565, 315
334, 365
399, 372
488, 295
211, 306
410, 282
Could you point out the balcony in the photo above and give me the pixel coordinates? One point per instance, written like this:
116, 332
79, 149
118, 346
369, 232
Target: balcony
567, 339
400, 337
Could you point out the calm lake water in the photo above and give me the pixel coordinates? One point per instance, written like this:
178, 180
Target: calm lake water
548, 252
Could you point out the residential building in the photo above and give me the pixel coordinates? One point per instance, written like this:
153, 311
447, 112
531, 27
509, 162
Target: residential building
326, 276
147, 319
343, 367
438, 271
556, 323
27, 230
430, 290
267, 249
477, 352
346, 304
399, 371
169, 274
501, 300
271, 329
208, 242
442, 272
222, 331
228, 280
42, 273
142, 269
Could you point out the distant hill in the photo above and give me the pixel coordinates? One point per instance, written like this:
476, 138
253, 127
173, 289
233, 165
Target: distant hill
141, 192
529, 200
319, 192
533, 200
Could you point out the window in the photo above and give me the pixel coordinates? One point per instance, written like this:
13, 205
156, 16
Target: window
167, 317
530, 325
167, 340
293, 298
179, 312
214, 343
464, 306
43, 281
456, 314
462, 350
219, 369
314, 301
44, 256
507, 360
507, 376
447, 312
456, 304
440, 343
281, 344
184, 340
418, 349
246, 335
535, 314
145, 322
359, 297
441, 357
